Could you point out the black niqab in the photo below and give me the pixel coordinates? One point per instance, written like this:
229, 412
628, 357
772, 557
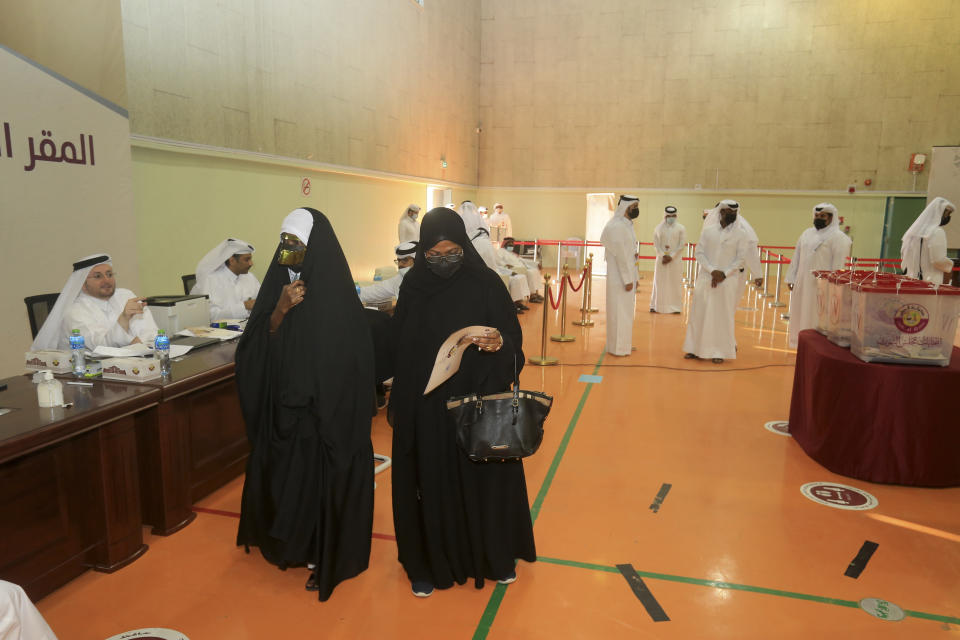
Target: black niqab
454, 519
306, 392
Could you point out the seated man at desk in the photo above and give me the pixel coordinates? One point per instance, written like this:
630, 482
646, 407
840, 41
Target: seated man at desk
224, 276
91, 302
381, 292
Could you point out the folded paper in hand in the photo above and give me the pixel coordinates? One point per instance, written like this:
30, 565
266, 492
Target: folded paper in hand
450, 354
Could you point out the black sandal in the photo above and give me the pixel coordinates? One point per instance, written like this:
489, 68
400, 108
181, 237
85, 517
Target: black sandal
717, 361
691, 356
312, 584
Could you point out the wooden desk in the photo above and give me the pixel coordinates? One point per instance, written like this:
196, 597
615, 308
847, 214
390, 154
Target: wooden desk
69, 485
195, 440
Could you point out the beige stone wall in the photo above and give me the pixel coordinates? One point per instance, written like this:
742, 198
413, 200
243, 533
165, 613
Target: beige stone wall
79, 40
375, 84
775, 94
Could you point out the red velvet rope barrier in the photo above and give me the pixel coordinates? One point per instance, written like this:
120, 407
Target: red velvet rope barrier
583, 278
556, 304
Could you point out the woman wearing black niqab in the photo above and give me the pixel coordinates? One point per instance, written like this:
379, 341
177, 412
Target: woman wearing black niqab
304, 369
454, 519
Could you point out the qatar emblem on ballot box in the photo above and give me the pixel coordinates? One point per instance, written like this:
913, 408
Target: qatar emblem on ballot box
839, 496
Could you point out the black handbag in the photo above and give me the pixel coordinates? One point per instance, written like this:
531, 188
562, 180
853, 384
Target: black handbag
499, 426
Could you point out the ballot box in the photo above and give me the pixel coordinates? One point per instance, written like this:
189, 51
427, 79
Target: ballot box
840, 304
175, 313
823, 296
904, 321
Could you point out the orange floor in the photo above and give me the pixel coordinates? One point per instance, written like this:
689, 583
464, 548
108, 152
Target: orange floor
735, 550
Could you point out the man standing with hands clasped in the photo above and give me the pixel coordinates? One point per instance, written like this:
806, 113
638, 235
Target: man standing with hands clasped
725, 247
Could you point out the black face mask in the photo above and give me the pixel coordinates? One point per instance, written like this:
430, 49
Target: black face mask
633, 213
820, 223
444, 269
729, 218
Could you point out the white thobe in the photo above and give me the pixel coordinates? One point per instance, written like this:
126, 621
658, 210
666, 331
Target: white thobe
97, 321
408, 230
383, 291
667, 295
227, 292
620, 252
817, 250
934, 262
710, 330
19, 618
526, 268
516, 284
500, 226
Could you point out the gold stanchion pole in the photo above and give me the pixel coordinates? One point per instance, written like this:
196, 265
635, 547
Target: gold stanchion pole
590, 308
542, 360
584, 321
563, 337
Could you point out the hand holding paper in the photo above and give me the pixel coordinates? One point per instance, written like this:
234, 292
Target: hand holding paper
451, 352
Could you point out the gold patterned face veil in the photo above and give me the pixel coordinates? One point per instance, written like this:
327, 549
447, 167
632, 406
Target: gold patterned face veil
293, 250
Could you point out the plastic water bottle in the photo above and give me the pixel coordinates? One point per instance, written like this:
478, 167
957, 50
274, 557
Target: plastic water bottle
358, 288
161, 351
76, 354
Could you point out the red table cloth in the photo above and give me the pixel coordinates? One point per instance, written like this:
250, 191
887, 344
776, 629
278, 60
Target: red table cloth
888, 423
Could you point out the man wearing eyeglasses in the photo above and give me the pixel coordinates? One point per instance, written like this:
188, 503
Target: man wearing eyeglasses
389, 289
105, 314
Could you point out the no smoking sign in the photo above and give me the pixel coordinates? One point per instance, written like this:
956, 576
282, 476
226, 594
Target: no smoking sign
305, 186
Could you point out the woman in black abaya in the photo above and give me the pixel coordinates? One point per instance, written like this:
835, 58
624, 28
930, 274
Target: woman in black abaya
454, 519
304, 369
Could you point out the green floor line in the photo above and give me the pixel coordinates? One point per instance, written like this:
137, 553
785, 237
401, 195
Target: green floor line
493, 605
738, 587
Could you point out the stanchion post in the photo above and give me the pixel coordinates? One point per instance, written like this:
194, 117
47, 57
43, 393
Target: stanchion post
590, 307
691, 266
584, 321
542, 360
563, 337
766, 277
760, 251
776, 300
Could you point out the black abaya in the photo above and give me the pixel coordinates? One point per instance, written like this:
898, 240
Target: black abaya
454, 519
307, 397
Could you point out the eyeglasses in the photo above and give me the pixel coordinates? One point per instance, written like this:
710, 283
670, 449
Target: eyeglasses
452, 258
101, 275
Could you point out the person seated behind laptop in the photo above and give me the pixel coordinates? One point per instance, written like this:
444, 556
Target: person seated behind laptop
224, 276
91, 302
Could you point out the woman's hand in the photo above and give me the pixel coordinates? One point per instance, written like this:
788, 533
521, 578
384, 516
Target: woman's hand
291, 295
489, 340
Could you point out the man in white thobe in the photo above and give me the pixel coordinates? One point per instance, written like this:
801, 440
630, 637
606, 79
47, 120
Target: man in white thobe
509, 258
91, 302
822, 247
620, 251
408, 229
500, 225
223, 275
724, 248
669, 241
389, 289
19, 618
479, 234
923, 252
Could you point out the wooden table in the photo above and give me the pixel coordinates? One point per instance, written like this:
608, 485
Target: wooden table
69, 485
78, 484
195, 441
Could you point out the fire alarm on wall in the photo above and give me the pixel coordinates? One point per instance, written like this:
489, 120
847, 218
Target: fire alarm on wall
868, 182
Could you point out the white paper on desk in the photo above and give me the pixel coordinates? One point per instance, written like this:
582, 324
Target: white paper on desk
177, 350
129, 351
210, 332
450, 355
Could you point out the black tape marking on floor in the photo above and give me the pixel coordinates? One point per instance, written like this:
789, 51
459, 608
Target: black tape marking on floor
661, 496
643, 593
858, 564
